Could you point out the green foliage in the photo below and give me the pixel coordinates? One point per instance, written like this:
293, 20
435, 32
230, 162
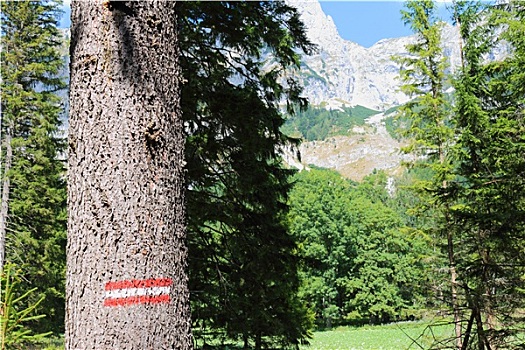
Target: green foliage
423, 75
31, 61
396, 125
392, 110
360, 263
319, 223
490, 214
389, 260
476, 185
243, 261
317, 123
17, 312
426, 122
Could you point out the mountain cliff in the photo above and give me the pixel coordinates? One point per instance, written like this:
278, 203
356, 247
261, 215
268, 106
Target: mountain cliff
343, 72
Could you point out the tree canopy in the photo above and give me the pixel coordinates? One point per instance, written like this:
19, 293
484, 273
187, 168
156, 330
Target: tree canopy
34, 190
360, 263
236, 61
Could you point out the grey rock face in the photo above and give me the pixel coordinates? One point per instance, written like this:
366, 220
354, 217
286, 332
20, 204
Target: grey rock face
345, 72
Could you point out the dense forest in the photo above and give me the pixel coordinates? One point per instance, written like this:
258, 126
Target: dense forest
271, 253
319, 123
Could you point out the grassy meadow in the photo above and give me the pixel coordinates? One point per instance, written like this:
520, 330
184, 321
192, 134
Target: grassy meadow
398, 336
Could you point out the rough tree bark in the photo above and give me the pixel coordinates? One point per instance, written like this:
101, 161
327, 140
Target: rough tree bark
454, 287
6, 186
126, 253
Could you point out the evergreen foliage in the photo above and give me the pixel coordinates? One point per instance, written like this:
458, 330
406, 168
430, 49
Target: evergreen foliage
423, 74
36, 217
476, 164
243, 261
489, 215
428, 113
16, 313
363, 254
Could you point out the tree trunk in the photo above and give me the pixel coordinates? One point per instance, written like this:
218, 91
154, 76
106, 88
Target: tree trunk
452, 269
4, 206
488, 296
466, 338
454, 291
126, 285
258, 341
483, 343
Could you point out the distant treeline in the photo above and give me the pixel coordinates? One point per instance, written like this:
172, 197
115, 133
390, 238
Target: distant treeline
318, 123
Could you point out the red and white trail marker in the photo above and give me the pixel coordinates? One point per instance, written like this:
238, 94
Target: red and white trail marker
132, 292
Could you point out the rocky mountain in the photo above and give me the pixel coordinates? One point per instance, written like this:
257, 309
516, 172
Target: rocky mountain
343, 72
367, 148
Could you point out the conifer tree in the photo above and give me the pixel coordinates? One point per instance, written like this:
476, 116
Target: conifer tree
423, 74
32, 215
243, 264
489, 119
126, 280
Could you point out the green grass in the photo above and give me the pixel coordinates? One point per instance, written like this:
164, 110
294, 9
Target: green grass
397, 336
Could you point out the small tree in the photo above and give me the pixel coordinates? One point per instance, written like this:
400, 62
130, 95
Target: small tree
15, 313
423, 73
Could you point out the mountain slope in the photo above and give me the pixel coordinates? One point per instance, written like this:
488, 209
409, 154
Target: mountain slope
369, 148
343, 74
357, 75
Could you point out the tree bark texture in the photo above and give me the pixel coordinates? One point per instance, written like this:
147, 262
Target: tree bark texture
126, 278
6, 187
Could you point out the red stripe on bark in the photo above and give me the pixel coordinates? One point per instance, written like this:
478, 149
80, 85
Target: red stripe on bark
143, 299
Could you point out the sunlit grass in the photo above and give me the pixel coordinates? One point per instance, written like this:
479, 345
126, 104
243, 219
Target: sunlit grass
399, 336
396, 336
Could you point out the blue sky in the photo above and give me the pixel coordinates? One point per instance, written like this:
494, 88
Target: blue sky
366, 22
65, 21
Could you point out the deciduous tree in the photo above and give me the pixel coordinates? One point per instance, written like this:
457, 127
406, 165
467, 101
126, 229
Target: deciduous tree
360, 262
